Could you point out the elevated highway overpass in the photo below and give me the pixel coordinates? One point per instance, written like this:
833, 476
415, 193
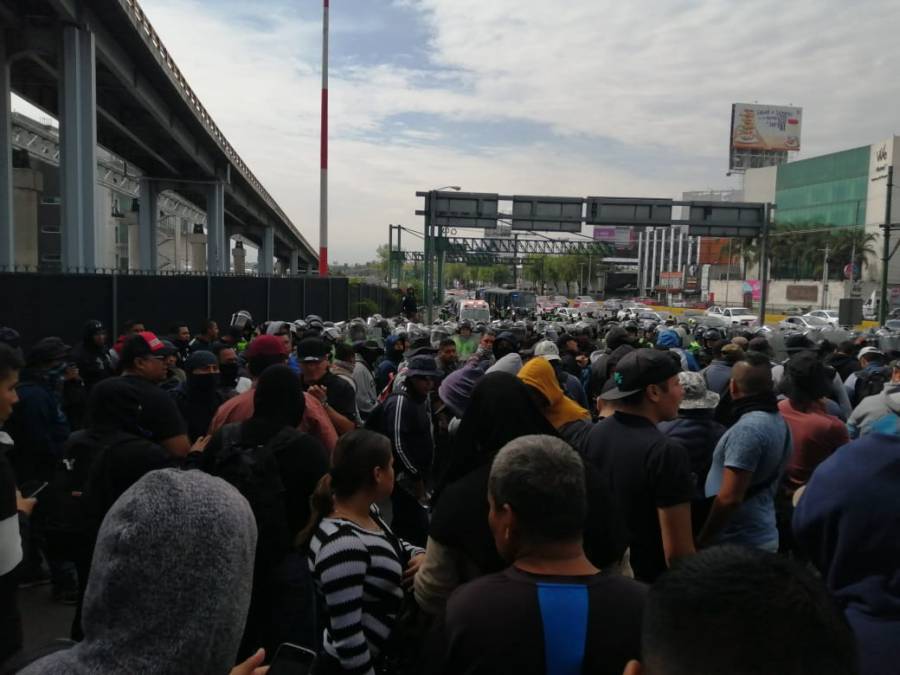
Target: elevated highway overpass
103, 72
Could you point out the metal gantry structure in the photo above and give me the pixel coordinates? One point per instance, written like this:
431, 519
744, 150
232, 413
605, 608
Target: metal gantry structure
444, 212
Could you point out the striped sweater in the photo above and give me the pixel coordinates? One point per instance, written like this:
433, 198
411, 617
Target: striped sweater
358, 572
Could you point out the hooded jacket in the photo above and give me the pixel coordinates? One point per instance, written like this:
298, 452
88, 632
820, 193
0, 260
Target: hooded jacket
846, 521
844, 365
717, 375
389, 364
670, 340
93, 362
185, 611
879, 413
561, 410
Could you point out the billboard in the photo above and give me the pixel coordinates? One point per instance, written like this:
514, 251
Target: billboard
765, 127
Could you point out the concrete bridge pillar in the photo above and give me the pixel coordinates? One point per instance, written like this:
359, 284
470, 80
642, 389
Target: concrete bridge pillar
78, 149
148, 222
295, 261
267, 250
7, 229
215, 228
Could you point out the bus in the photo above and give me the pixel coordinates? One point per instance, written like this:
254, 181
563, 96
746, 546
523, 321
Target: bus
505, 301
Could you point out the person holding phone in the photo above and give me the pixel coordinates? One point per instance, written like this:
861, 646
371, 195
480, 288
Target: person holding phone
354, 556
14, 511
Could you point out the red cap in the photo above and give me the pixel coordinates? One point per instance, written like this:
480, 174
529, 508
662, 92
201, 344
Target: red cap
267, 345
155, 345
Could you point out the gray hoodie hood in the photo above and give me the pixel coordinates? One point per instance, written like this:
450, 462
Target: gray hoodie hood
170, 581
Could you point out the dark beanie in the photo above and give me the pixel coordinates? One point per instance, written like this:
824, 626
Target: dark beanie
279, 397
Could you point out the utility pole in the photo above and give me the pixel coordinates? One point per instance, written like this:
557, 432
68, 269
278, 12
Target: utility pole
323, 185
886, 257
825, 278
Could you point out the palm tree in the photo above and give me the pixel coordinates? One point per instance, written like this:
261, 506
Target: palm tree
853, 243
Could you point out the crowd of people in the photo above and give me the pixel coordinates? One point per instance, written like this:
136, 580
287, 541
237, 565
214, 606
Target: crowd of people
483, 502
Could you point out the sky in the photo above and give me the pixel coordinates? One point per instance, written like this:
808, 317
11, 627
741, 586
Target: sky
575, 98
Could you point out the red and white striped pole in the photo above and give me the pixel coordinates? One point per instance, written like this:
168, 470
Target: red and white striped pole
323, 185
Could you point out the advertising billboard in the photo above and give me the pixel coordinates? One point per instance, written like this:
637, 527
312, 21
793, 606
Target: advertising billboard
765, 127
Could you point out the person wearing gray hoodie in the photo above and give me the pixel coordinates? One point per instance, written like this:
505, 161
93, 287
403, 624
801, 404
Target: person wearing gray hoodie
170, 582
880, 412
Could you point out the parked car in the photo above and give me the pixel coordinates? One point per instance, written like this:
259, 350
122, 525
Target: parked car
734, 316
830, 316
804, 323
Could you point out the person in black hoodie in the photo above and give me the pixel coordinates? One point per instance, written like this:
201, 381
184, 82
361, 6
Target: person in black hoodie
282, 608
92, 355
107, 458
199, 398
844, 359
618, 343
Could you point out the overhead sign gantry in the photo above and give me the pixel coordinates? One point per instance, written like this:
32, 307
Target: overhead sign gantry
452, 210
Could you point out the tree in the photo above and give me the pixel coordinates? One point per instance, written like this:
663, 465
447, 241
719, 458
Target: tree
382, 259
853, 243
533, 270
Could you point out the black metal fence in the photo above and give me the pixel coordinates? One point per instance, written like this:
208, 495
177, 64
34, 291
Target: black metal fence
38, 304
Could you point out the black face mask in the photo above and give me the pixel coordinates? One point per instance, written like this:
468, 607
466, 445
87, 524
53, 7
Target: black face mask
228, 374
203, 384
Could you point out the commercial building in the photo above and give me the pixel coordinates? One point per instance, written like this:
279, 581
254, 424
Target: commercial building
836, 192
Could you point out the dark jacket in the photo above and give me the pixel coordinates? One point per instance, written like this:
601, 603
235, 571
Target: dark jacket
408, 424
408, 304
846, 522
603, 367
93, 362
388, 365
38, 426
698, 432
843, 364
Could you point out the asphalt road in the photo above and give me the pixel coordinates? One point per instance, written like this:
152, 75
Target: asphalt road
43, 619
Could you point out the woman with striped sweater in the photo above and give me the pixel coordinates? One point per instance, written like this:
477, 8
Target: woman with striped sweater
359, 565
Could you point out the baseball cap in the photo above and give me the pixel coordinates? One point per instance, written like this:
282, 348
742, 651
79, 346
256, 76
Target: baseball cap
639, 369
47, 350
865, 351
422, 366
312, 349
144, 344
266, 345
548, 350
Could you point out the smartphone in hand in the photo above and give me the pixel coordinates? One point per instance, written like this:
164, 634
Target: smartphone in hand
292, 659
34, 489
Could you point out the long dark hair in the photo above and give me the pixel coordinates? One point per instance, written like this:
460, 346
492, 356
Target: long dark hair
354, 460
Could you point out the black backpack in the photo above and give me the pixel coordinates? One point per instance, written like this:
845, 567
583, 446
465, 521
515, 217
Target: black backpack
376, 421
255, 472
870, 382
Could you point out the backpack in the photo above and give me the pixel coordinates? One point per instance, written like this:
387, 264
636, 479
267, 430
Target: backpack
376, 421
870, 382
255, 472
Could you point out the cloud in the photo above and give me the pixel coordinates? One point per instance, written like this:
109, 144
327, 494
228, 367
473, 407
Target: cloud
519, 96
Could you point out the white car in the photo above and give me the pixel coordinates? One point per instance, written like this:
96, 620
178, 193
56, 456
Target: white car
630, 309
735, 316
804, 323
569, 313
829, 316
